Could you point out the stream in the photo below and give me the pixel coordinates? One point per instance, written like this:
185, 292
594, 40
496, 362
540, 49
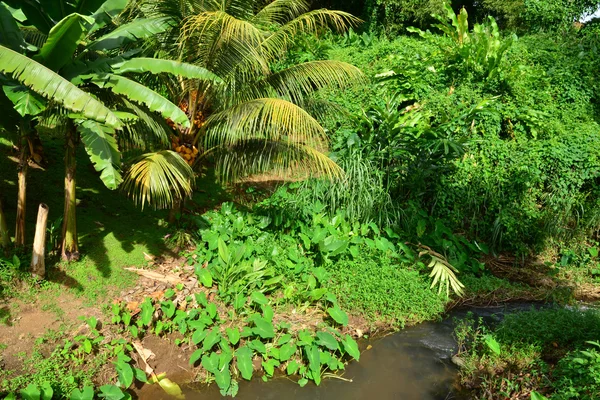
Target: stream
414, 363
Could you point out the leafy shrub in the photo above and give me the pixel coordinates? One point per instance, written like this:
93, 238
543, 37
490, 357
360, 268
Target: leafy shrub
373, 286
577, 376
548, 328
479, 52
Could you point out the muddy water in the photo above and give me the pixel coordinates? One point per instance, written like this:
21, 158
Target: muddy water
412, 364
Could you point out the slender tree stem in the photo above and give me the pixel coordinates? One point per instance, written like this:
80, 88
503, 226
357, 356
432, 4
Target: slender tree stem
70, 247
22, 187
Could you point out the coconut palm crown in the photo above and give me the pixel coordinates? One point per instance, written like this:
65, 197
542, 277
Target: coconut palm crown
258, 120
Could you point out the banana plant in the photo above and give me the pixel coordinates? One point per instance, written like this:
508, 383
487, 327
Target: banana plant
81, 74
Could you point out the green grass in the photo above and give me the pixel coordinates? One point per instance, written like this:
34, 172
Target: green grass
113, 232
381, 291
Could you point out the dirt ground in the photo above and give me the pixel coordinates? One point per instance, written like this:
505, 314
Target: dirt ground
27, 322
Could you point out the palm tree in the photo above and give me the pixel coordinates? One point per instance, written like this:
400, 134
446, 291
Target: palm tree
78, 69
258, 120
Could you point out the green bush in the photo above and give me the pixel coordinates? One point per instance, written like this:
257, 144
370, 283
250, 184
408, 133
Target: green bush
577, 376
548, 328
373, 286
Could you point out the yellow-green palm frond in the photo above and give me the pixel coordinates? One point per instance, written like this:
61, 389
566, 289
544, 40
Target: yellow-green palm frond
310, 22
222, 42
266, 119
281, 158
442, 272
159, 179
300, 80
281, 11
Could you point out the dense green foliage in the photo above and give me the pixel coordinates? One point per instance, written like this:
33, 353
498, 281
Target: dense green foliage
493, 361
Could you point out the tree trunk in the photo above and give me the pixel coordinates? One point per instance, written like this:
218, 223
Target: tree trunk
4, 237
70, 247
38, 264
22, 194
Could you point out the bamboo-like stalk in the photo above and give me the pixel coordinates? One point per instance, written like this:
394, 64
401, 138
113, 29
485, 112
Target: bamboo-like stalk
38, 263
22, 193
70, 247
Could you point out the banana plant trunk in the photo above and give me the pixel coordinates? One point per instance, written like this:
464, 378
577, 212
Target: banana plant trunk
22, 191
70, 247
4, 236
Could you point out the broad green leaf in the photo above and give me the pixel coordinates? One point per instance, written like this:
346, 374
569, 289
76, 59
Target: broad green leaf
106, 13
101, 146
125, 374
268, 312
326, 339
143, 95
269, 366
204, 276
284, 339
111, 392
31, 392
287, 351
351, 347
199, 336
147, 312
86, 394
302, 382
223, 379
338, 315
258, 346
25, 101
313, 357
233, 334
211, 339
223, 251
140, 375
211, 362
62, 41
10, 34
244, 362
259, 298
196, 355
169, 308
50, 85
263, 328
292, 367
47, 391
140, 65
139, 29
211, 309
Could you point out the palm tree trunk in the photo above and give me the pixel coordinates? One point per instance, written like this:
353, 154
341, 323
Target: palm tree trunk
22, 194
38, 262
70, 247
4, 237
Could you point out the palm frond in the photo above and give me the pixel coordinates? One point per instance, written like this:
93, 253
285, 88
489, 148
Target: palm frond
52, 86
443, 273
250, 157
304, 79
226, 41
281, 11
310, 22
143, 95
267, 119
159, 179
